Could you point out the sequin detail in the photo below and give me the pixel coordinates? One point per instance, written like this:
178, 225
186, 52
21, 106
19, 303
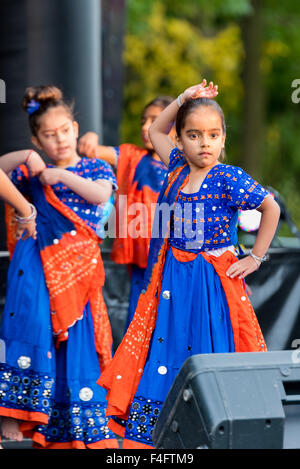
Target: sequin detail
89, 168
25, 390
77, 422
166, 295
34, 392
24, 362
142, 418
207, 219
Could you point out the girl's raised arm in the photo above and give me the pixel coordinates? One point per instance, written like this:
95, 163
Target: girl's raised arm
160, 128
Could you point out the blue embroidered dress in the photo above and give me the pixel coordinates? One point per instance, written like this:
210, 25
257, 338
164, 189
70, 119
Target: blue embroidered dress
35, 376
193, 314
93, 215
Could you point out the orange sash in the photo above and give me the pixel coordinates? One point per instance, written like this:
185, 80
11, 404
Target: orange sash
74, 275
125, 249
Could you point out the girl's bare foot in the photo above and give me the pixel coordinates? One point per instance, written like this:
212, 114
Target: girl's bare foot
10, 429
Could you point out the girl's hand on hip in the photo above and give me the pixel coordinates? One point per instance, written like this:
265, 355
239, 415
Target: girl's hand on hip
200, 91
35, 164
50, 176
88, 144
243, 267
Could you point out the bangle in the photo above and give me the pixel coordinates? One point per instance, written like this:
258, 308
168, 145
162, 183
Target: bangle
179, 101
260, 259
24, 220
27, 157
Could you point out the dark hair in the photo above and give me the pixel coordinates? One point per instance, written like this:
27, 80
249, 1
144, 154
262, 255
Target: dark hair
190, 105
39, 99
160, 101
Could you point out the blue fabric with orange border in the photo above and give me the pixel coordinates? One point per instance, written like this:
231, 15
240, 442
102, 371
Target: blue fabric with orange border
46, 381
188, 305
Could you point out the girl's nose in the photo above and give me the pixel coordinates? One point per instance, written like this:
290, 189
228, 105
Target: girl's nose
60, 136
146, 124
204, 141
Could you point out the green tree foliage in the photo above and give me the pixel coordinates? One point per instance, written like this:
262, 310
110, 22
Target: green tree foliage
171, 44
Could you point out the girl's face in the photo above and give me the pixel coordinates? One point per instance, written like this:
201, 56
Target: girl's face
57, 135
149, 116
202, 138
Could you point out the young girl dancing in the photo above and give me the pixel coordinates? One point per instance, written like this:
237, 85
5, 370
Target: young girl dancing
194, 298
55, 325
140, 175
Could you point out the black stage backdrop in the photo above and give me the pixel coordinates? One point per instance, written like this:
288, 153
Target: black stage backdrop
74, 44
276, 298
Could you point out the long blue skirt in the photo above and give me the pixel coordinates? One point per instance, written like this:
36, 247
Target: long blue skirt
192, 318
36, 378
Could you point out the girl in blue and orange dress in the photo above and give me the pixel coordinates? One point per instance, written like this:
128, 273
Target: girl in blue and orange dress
194, 298
55, 327
140, 176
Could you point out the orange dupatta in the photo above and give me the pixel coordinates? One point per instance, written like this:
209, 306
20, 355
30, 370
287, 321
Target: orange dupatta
73, 268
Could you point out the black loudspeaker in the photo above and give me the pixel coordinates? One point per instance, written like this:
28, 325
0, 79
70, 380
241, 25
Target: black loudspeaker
233, 401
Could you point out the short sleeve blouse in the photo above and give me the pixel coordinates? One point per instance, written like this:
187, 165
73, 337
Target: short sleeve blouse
92, 169
211, 213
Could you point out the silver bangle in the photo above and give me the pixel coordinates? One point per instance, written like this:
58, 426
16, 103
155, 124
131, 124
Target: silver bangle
179, 102
260, 259
24, 220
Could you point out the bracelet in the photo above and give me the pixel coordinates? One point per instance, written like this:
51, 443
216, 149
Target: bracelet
260, 259
24, 220
179, 102
27, 157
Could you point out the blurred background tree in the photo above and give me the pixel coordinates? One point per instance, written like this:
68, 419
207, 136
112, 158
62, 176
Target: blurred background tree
250, 48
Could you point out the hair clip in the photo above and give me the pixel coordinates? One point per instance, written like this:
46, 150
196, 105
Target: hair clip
33, 106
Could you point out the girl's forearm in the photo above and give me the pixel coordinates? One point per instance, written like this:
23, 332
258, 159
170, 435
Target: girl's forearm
107, 154
13, 197
269, 221
93, 192
11, 161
